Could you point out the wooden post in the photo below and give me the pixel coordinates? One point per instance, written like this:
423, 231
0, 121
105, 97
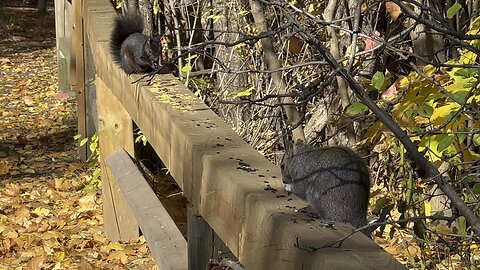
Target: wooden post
203, 242
61, 44
77, 72
115, 131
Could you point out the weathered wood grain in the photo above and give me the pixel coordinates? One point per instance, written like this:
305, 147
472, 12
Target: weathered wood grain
115, 132
77, 72
165, 240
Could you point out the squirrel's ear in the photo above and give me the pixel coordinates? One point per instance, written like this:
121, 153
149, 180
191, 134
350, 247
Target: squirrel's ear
289, 147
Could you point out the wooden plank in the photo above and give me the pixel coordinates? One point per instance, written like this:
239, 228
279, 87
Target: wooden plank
226, 181
77, 73
166, 242
115, 131
59, 21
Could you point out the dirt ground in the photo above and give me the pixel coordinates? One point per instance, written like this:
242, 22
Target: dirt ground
50, 216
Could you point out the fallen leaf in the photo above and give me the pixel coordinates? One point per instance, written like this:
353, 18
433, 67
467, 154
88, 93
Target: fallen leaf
115, 246
87, 202
11, 234
4, 60
4, 167
41, 211
11, 189
36, 263
21, 215
118, 256
23, 83
28, 101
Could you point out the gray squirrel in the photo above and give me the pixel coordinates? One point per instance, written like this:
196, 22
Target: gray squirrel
334, 180
133, 51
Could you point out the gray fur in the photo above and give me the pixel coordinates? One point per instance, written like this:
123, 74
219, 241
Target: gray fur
334, 180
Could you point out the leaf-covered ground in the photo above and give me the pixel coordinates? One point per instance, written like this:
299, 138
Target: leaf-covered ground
48, 219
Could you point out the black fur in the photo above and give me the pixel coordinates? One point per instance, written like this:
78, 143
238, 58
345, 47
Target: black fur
131, 50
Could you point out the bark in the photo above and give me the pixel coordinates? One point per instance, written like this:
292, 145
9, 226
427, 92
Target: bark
146, 11
270, 57
330, 14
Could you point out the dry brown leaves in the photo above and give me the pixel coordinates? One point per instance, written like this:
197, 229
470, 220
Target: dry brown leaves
46, 220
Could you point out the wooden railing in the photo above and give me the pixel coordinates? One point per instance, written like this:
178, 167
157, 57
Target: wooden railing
234, 193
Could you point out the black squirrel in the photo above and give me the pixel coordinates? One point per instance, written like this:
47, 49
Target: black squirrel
334, 180
133, 51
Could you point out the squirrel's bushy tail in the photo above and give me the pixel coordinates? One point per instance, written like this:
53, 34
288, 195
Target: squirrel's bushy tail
123, 27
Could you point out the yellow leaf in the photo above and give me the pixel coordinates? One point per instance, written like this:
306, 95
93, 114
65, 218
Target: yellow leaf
429, 70
115, 246
48, 250
21, 215
440, 114
428, 208
59, 256
468, 58
40, 211
430, 143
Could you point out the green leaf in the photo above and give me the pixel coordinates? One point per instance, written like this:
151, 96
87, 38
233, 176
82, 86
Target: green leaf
461, 96
435, 96
466, 72
476, 190
471, 179
247, 92
193, 56
83, 142
445, 142
476, 139
425, 110
392, 232
356, 109
186, 68
453, 10
378, 80
244, 12
76, 137
379, 205
462, 225
93, 146
461, 136
419, 229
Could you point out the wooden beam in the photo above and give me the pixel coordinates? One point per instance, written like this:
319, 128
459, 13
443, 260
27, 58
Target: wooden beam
77, 73
115, 131
165, 240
